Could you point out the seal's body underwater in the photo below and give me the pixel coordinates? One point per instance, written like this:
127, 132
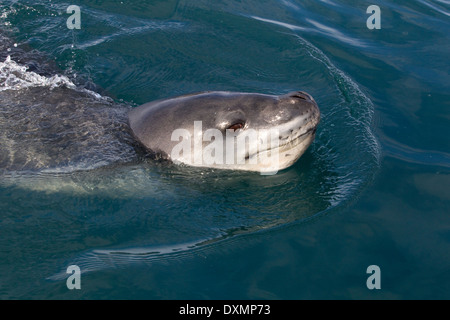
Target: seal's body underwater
223, 120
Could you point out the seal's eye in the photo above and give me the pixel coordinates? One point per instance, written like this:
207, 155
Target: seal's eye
236, 126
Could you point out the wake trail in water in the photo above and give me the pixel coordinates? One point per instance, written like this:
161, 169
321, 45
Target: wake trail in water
354, 168
79, 141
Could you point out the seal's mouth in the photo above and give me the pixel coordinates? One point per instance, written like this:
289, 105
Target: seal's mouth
296, 139
292, 142
295, 132
289, 146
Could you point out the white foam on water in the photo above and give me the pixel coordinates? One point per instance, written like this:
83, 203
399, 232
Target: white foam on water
16, 77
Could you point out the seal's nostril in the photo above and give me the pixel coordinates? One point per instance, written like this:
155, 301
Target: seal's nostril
301, 95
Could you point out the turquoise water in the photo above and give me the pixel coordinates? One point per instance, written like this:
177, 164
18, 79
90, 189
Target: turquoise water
373, 188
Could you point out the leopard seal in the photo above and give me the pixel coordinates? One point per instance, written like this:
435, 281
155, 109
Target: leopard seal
48, 124
289, 120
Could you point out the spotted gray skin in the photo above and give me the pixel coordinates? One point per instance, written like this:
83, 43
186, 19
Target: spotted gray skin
295, 116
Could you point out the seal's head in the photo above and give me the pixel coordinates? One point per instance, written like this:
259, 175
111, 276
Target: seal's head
226, 130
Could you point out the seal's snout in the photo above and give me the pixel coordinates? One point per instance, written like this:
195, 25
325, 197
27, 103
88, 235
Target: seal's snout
304, 106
